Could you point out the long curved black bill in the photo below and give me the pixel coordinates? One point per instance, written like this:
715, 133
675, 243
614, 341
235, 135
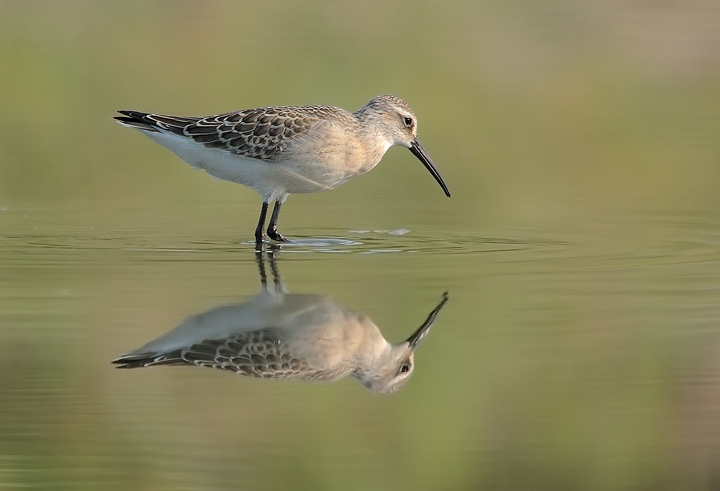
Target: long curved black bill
422, 331
421, 154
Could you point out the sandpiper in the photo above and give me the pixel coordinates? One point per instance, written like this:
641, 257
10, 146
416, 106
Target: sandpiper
287, 336
283, 150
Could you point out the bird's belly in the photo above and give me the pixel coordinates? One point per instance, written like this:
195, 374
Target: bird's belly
270, 179
313, 176
326, 157
301, 172
267, 176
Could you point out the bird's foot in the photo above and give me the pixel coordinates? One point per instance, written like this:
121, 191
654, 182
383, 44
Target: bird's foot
273, 234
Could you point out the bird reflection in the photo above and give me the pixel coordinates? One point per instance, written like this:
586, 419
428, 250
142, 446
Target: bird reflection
287, 336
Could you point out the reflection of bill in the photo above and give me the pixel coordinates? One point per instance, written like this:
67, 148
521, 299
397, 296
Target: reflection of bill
286, 336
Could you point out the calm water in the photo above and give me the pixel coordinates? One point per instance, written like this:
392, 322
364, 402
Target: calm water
579, 348
580, 356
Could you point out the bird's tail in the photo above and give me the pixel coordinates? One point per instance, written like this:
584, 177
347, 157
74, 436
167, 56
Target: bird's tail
154, 122
139, 360
137, 120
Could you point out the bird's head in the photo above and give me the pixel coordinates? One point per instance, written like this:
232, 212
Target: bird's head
395, 121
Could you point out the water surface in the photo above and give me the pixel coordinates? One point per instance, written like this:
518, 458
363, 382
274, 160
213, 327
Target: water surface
587, 352
580, 345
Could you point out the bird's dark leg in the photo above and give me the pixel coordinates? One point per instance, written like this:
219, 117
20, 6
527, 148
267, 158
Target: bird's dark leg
260, 225
272, 230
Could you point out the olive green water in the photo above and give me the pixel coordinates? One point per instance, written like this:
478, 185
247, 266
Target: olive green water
580, 347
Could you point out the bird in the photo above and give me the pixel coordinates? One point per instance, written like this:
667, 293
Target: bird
285, 150
277, 335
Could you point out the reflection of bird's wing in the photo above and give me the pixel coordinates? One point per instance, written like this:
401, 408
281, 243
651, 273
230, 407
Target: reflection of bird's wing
259, 353
226, 321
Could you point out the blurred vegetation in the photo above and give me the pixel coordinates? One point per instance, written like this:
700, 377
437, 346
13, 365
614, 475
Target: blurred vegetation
554, 123
619, 98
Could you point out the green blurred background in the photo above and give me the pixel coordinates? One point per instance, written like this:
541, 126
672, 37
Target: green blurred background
580, 348
615, 98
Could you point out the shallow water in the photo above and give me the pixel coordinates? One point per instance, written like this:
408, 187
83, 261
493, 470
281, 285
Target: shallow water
584, 353
580, 345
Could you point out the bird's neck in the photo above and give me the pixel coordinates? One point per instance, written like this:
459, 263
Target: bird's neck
371, 360
373, 141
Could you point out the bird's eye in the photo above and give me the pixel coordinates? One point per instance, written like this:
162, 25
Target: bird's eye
405, 368
408, 122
